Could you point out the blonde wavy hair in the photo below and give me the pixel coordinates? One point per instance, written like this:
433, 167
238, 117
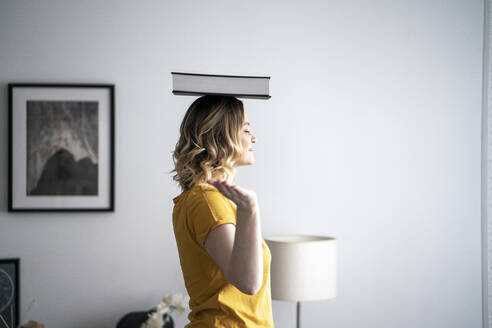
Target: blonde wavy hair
209, 145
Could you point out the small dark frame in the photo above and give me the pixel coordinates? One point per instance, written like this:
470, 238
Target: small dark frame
11, 267
82, 189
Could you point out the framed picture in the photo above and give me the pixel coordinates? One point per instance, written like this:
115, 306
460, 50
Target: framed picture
61, 147
9, 293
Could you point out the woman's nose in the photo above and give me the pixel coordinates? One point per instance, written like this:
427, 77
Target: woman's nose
253, 139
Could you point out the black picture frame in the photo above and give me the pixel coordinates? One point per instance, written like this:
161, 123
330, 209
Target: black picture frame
61, 147
9, 292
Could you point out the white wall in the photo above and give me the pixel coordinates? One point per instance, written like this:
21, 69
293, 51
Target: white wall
372, 135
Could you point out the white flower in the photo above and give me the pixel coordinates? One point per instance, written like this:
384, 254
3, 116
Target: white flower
178, 302
162, 308
154, 321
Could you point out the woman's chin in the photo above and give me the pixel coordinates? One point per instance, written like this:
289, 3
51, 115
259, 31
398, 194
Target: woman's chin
250, 161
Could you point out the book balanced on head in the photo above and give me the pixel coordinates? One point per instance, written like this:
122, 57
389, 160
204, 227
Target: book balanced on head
193, 84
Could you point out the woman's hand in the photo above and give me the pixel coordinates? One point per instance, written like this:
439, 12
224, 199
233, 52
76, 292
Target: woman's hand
244, 199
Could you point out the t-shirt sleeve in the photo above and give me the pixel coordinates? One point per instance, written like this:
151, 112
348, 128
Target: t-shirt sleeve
210, 210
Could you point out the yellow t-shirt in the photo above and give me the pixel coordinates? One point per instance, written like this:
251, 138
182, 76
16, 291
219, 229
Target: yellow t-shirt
214, 302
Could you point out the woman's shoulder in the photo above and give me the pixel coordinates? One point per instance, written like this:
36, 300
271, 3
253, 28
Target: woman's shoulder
194, 193
204, 186
200, 190
207, 193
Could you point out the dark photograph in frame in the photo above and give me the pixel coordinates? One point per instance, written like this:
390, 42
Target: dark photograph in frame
9, 292
61, 147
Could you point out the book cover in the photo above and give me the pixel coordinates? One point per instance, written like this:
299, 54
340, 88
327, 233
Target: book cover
194, 84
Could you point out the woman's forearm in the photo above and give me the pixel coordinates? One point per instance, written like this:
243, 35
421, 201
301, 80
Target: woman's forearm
246, 264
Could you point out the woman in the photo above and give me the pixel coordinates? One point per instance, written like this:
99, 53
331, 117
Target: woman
224, 260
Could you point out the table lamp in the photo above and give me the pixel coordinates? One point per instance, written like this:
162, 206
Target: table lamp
303, 268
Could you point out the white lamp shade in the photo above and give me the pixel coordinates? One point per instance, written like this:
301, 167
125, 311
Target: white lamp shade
303, 268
